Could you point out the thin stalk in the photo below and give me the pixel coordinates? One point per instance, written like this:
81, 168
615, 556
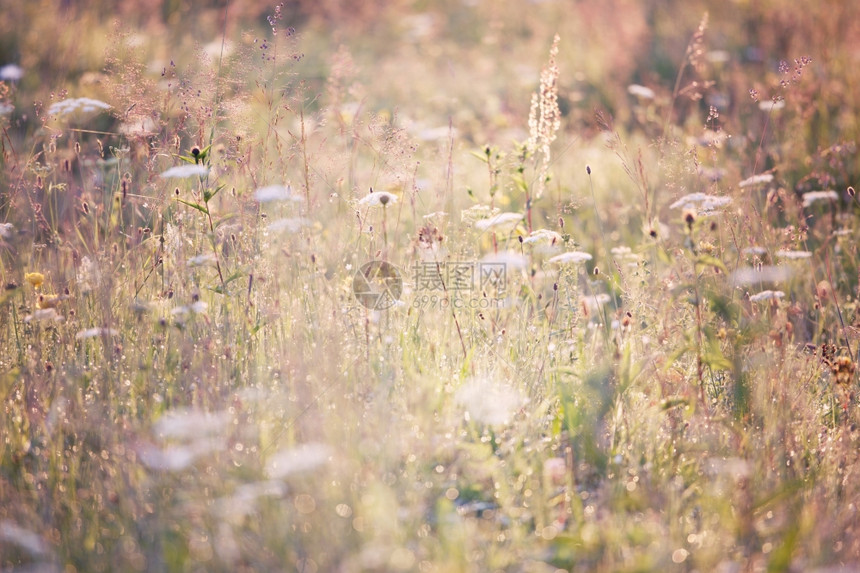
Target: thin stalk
453, 314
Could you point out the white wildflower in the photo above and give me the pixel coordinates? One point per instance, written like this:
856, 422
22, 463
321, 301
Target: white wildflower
44, 315
771, 105
97, 331
703, 202
199, 307
759, 275
11, 73
301, 459
198, 432
793, 255
77, 108
766, 295
202, 259
813, 196
13, 534
243, 501
477, 212
640, 91
711, 138
712, 174
624, 254
185, 171
7, 230
6, 108
276, 193
490, 402
378, 199
596, 301
187, 424
140, 126
761, 179
176, 458
501, 223
718, 56
755, 251
543, 236
736, 468
571, 257
141, 307
218, 49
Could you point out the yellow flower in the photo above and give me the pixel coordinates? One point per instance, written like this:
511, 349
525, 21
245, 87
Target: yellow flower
48, 301
35, 279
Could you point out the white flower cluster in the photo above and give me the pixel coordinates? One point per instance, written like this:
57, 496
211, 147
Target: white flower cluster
704, 203
815, 196
766, 295
762, 179
572, 257
501, 223
184, 171
78, 108
272, 193
11, 73
544, 236
378, 199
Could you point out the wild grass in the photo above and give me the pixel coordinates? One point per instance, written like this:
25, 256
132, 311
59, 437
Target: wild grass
626, 328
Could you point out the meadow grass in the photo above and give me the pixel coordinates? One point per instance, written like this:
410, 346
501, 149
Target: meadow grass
621, 254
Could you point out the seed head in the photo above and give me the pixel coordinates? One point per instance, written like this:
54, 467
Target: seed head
689, 217
545, 116
843, 370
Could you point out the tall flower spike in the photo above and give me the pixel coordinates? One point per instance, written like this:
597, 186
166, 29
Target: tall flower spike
545, 116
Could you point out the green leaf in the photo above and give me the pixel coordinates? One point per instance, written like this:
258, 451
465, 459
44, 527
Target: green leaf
198, 206
713, 356
521, 183
233, 277
208, 195
482, 156
221, 289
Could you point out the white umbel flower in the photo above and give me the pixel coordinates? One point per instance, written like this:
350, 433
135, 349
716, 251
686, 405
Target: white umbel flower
570, 258
501, 223
378, 199
185, 171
